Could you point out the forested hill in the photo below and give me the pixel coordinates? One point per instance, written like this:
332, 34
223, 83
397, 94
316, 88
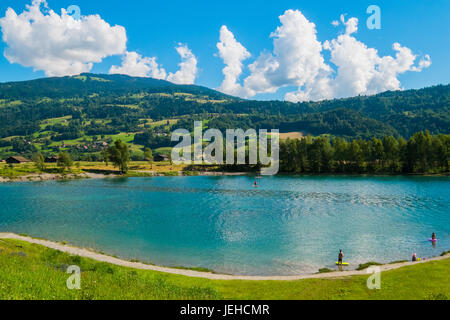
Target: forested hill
407, 111
86, 84
69, 108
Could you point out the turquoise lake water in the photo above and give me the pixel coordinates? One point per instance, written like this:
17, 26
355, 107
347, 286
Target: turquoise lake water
287, 226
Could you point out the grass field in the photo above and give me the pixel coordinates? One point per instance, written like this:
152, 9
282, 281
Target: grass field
136, 168
30, 271
27, 169
292, 135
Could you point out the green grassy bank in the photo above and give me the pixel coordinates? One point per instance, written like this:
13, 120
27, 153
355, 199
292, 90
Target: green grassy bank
29, 271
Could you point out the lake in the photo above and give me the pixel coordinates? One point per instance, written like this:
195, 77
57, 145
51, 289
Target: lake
287, 226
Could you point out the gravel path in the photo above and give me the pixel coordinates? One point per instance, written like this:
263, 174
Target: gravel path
189, 273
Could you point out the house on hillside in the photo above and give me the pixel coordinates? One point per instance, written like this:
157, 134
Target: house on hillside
161, 158
17, 159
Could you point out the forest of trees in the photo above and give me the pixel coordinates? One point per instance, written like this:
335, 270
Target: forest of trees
101, 106
110, 104
422, 153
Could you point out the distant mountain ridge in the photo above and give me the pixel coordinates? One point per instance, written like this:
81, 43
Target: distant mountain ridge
87, 83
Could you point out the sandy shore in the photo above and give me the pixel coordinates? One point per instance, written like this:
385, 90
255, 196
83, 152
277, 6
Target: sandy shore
84, 175
52, 176
195, 274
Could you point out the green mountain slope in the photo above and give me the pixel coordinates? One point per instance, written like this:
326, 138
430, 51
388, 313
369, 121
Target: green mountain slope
50, 113
86, 84
407, 111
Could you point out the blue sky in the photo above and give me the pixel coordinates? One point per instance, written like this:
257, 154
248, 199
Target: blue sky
155, 28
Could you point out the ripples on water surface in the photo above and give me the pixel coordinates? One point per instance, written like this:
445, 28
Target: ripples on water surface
289, 225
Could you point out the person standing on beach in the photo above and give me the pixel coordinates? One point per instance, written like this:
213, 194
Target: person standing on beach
340, 257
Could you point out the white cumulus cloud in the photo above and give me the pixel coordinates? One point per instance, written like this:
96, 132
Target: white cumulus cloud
360, 70
133, 64
58, 44
297, 61
188, 67
232, 53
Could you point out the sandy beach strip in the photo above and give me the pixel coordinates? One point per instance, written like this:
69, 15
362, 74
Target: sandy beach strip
55, 177
195, 274
88, 175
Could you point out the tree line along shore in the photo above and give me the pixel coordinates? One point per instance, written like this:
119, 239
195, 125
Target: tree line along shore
423, 153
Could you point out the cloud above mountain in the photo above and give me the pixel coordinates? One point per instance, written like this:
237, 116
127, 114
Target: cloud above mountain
61, 45
58, 44
135, 65
188, 67
233, 54
297, 60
